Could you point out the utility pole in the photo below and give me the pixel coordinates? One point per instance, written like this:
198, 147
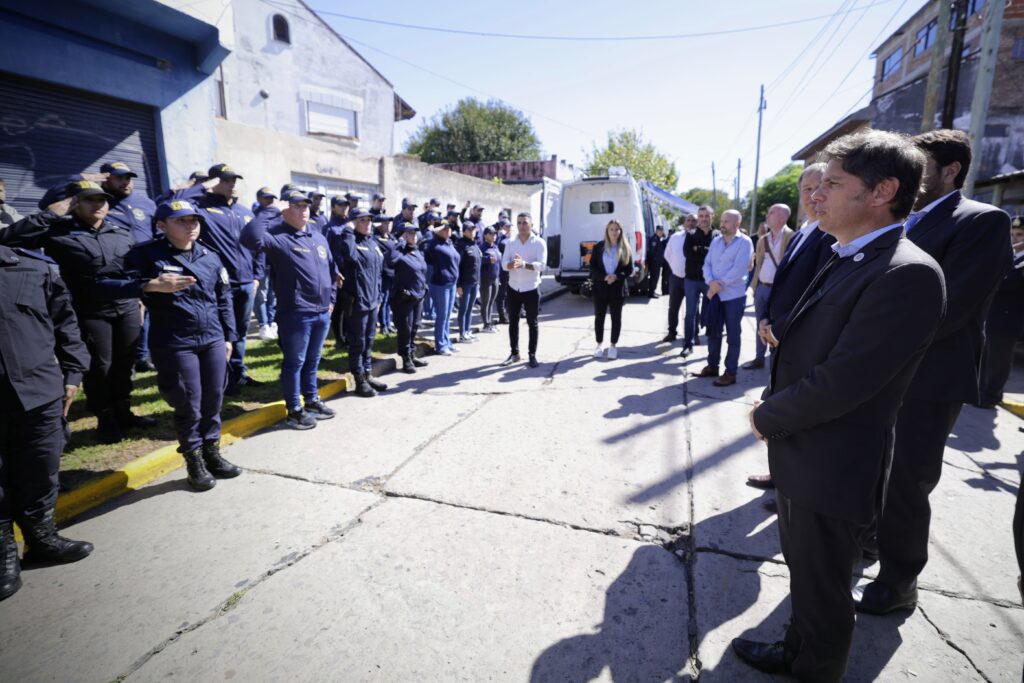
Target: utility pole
956, 49
983, 86
738, 161
931, 94
761, 104
714, 190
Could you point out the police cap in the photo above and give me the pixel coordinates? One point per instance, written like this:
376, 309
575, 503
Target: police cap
117, 168
175, 209
359, 213
223, 171
265, 193
378, 195
1017, 222
199, 176
85, 188
289, 187
296, 197
408, 203
338, 200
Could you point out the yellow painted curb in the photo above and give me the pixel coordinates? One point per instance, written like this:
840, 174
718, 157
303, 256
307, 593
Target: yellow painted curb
152, 466
1014, 407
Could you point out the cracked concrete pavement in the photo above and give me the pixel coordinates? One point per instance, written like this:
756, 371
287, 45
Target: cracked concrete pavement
585, 520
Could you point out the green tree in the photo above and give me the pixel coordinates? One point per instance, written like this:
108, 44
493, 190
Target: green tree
781, 188
701, 196
627, 148
475, 131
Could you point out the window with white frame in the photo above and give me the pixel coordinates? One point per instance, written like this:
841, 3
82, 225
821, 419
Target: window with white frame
332, 112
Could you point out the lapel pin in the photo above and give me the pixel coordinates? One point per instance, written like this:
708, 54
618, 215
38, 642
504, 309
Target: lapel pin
858, 258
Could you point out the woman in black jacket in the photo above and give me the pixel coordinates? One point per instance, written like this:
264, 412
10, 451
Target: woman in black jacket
611, 264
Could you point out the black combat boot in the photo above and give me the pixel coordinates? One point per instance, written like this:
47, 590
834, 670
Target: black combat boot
199, 478
217, 465
10, 567
376, 383
108, 430
43, 543
407, 366
127, 419
418, 362
363, 387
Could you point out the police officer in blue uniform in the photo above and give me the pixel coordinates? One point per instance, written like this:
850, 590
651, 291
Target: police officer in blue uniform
405, 217
42, 360
87, 246
490, 272
503, 227
337, 230
361, 262
304, 279
442, 277
222, 225
407, 294
377, 206
468, 286
387, 244
316, 212
353, 205
186, 288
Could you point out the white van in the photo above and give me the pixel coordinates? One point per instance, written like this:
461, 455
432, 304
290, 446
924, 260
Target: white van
587, 206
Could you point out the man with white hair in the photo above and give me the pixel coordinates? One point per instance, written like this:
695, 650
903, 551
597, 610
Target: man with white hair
725, 271
767, 257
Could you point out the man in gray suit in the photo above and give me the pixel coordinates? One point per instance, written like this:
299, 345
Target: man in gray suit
845, 359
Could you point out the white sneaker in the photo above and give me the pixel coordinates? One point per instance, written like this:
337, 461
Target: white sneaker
599, 351
613, 353
266, 332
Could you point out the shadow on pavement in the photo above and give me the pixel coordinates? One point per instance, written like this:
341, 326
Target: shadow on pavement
643, 636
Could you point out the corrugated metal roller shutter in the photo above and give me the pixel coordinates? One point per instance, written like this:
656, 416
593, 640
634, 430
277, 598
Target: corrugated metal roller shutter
48, 132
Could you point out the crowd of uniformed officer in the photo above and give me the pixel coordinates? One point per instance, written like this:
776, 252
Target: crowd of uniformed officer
103, 282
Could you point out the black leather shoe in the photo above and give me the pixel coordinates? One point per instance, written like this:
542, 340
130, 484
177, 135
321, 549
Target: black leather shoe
376, 384
772, 658
216, 464
363, 387
407, 366
533, 361
878, 598
761, 481
687, 350
144, 365
669, 337
199, 478
755, 364
42, 542
127, 419
512, 358
419, 363
10, 566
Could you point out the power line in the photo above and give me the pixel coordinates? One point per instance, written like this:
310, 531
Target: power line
522, 36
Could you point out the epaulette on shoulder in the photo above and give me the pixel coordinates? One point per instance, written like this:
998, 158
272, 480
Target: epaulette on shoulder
34, 255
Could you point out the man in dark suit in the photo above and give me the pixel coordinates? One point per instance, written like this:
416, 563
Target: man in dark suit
971, 241
806, 253
844, 361
1005, 324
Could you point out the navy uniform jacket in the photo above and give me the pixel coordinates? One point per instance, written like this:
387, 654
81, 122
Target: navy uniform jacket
656, 251
135, 214
400, 222
361, 264
221, 231
41, 348
443, 258
470, 260
192, 318
387, 246
971, 242
1006, 317
304, 269
410, 271
490, 271
83, 254
320, 222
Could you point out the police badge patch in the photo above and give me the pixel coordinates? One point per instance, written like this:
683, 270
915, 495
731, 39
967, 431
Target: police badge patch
139, 214
322, 252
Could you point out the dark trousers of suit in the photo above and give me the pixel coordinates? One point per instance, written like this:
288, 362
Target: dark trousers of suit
676, 295
922, 428
822, 553
517, 302
996, 365
608, 300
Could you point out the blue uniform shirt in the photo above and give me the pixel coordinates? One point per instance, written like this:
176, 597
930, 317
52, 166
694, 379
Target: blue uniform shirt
443, 259
387, 246
361, 264
410, 270
470, 260
304, 269
222, 229
193, 318
490, 271
135, 214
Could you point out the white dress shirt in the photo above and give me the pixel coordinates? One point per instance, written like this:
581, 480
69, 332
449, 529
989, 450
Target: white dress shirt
801, 236
534, 252
674, 256
767, 273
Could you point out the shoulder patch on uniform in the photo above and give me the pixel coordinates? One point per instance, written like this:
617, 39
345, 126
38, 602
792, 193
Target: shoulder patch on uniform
224, 276
139, 214
321, 251
214, 209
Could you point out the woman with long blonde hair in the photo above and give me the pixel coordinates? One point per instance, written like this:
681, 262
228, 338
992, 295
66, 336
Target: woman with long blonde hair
611, 264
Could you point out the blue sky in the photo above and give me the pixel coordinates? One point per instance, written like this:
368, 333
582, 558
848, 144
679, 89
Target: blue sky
694, 98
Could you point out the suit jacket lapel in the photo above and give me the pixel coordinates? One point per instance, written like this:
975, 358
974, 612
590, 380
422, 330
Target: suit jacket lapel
936, 216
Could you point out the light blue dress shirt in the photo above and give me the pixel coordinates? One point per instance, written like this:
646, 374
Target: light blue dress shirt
729, 263
857, 245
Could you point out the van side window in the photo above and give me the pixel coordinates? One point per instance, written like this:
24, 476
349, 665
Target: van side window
602, 207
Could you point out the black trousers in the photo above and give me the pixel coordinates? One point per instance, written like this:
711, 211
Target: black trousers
192, 381
608, 300
111, 343
361, 329
1018, 531
654, 278
407, 318
517, 301
338, 321
31, 442
502, 300
676, 294
922, 428
822, 553
996, 365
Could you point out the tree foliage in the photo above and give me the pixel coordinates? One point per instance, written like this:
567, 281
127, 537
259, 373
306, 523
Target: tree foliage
627, 148
781, 188
475, 131
701, 196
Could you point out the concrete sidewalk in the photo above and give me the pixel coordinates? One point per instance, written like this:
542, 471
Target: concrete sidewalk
587, 519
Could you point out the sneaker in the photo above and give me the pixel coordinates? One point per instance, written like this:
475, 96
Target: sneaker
247, 381
265, 333
273, 326
300, 419
599, 351
443, 352
512, 358
613, 353
319, 410
453, 349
